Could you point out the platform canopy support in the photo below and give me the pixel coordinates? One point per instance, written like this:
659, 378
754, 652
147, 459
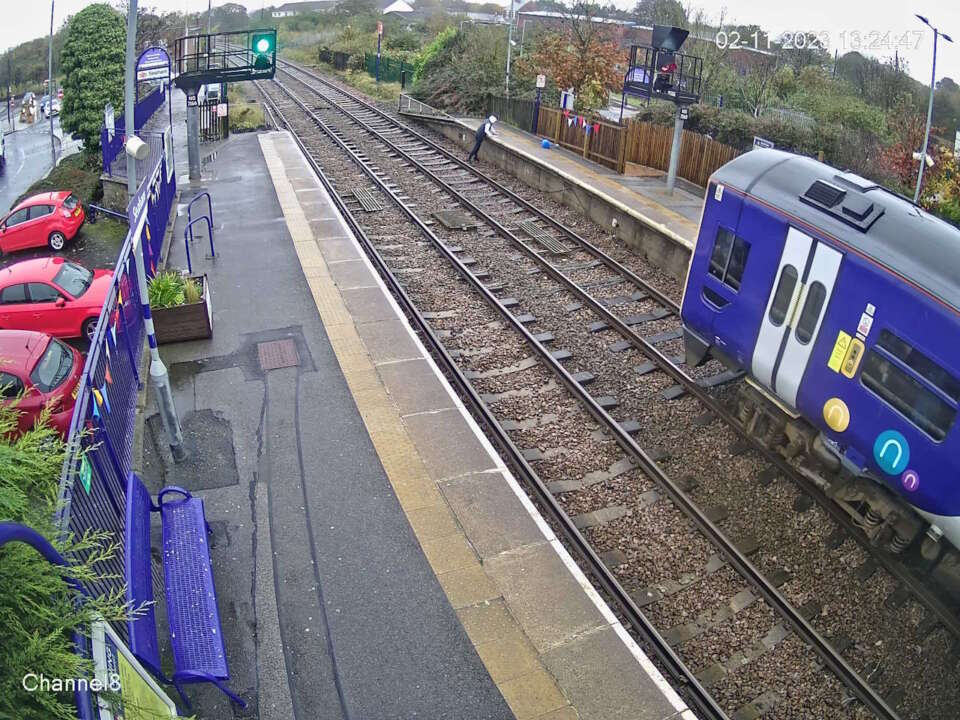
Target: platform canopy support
215, 59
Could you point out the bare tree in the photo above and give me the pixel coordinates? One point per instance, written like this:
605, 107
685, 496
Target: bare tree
756, 86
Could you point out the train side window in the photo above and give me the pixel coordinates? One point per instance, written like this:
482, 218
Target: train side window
920, 363
907, 395
812, 306
729, 257
783, 295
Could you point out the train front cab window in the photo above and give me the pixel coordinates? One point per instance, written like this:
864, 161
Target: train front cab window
897, 386
729, 258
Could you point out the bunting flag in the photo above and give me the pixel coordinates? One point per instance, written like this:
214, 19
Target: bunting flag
119, 296
113, 334
566, 113
86, 473
96, 410
596, 127
106, 399
587, 129
569, 121
106, 375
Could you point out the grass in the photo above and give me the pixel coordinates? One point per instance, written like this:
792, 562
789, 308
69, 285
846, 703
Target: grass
245, 117
71, 174
360, 79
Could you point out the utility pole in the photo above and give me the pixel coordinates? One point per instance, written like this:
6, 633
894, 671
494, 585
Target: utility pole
678, 119
51, 93
509, 47
9, 89
933, 81
158, 372
209, 11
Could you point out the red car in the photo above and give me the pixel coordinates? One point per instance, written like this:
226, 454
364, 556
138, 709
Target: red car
53, 296
50, 218
41, 371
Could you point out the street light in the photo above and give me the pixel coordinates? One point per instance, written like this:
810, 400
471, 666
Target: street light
933, 80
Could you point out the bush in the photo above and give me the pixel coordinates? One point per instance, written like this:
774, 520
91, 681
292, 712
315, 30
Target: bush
170, 288
38, 610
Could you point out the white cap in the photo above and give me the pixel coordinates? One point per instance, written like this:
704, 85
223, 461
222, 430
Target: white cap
492, 119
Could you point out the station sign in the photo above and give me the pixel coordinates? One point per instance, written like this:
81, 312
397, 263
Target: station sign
684, 113
541, 81
380, 29
153, 64
956, 143
759, 142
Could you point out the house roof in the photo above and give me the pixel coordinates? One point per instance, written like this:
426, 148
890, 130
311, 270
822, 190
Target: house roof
394, 6
306, 6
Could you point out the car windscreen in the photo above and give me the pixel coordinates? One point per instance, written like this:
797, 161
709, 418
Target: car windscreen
74, 279
71, 202
53, 368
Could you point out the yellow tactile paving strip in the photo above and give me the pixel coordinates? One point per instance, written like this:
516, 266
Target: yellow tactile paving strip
514, 665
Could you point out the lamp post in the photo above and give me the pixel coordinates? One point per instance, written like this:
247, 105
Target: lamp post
50, 91
933, 80
509, 47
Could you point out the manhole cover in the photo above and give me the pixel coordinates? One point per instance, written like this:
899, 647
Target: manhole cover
278, 354
455, 220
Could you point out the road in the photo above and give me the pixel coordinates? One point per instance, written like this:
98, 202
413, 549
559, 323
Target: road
28, 160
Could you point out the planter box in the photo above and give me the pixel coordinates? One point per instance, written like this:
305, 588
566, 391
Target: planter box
192, 321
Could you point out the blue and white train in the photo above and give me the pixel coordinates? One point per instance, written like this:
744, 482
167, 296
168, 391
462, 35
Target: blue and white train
841, 301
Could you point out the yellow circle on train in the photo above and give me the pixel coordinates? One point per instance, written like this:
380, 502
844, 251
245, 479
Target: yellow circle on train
836, 414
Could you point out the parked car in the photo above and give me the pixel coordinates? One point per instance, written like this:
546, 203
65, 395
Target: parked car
53, 296
41, 371
48, 107
50, 218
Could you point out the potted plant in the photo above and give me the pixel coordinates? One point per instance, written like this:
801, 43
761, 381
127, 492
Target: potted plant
180, 305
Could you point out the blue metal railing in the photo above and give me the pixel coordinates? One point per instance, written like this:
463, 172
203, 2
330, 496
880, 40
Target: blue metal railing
111, 147
104, 416
188, 230
188, 238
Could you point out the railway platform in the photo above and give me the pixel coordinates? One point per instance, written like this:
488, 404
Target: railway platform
637, 209
374, 558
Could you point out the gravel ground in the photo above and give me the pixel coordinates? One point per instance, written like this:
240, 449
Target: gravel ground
658, 544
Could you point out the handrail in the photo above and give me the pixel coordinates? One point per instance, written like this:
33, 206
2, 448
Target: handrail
209, 213
188, 237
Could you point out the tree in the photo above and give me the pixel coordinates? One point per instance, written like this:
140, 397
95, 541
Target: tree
92, 62
584, 55
660, 12
756, 88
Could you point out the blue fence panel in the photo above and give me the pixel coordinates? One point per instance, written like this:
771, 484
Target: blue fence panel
142, 112
102, 429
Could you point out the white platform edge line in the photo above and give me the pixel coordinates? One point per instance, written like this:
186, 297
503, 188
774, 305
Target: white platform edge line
655, 675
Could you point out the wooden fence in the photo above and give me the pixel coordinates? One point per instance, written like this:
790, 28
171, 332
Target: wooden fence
649, 144
601, 145
613, 145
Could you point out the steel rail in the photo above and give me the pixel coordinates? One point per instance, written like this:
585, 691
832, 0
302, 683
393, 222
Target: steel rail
697, 696
583, 243
832, 659
905, 575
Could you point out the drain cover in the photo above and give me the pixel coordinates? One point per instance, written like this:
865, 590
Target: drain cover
278, 354
455, 220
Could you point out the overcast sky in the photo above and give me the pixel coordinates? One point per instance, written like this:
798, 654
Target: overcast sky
883, 22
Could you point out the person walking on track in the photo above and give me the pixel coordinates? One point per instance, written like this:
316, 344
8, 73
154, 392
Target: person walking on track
486, 128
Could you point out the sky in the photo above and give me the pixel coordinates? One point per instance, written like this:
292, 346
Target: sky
886, 24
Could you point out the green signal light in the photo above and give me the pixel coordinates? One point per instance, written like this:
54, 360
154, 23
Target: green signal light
263, 45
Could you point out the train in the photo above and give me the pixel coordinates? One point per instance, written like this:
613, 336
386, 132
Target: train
840, 302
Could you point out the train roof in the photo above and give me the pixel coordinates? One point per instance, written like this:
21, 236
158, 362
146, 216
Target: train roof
859, 213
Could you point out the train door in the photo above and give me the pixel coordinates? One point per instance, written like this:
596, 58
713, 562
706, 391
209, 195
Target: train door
804, 282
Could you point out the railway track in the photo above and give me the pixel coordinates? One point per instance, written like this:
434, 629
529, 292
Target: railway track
631, 482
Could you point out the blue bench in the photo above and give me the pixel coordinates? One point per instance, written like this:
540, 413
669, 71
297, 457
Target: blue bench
195, 633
